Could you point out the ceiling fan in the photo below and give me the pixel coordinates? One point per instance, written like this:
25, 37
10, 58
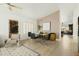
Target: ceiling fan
11, 6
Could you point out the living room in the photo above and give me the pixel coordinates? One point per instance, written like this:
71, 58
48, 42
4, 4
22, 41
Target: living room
37, 29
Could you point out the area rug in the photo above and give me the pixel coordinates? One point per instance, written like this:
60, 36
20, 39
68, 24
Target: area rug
17, 51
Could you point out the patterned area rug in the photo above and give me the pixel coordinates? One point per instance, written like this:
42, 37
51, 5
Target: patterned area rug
17, 51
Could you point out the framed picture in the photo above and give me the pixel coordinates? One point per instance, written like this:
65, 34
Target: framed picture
46, 26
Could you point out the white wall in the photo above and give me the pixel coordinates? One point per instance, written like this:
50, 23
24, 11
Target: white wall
66, 16
75, 22
5, 15
4, 23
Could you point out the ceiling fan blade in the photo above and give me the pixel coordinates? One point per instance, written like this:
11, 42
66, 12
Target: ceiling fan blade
13, 6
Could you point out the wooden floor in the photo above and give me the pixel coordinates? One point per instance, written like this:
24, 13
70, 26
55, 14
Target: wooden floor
64, 47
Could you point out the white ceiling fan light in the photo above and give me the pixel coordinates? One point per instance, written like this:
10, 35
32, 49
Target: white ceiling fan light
11, 7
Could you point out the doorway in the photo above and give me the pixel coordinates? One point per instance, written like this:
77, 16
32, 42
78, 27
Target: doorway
13, 27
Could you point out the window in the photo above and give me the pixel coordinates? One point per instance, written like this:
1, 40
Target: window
28, 27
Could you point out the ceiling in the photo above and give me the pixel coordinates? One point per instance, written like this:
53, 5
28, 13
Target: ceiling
37, 10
